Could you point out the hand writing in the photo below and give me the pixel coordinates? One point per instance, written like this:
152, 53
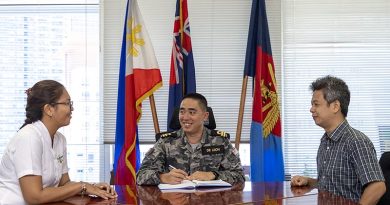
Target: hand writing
175, 176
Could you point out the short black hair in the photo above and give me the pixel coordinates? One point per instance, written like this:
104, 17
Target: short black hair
200, 98
333, 89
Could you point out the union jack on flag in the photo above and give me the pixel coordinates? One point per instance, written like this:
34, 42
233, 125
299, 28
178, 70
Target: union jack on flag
182, 73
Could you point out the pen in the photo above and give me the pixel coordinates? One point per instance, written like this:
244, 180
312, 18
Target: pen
172, 167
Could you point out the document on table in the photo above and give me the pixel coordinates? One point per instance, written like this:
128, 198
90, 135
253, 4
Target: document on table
187, 184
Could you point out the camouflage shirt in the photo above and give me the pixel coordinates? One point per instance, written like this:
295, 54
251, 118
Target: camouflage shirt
215, 153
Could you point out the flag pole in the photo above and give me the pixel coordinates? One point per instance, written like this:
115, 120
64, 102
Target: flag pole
241, 112
154, 114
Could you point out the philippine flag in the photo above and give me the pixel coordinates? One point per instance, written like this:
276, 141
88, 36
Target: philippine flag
139, 77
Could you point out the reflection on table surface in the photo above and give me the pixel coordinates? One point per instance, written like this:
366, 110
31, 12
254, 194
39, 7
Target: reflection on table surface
275, 193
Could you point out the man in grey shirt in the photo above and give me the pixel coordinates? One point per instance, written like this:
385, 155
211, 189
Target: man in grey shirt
346, 160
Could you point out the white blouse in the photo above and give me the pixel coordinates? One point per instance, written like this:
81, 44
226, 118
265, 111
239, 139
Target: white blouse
30, 152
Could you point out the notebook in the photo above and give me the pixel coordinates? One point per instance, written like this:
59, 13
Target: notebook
187, 184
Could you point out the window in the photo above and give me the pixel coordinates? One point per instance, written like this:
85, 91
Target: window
59, 40
349, 39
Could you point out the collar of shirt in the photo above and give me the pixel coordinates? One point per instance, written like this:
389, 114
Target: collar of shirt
337, 133
203, 140
45, 134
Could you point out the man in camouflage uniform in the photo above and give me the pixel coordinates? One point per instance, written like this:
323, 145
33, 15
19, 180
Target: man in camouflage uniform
193, 152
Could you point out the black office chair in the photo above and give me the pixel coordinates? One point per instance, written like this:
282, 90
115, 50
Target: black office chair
385, 166
174, 123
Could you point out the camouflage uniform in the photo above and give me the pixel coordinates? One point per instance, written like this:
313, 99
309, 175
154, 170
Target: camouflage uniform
215, 153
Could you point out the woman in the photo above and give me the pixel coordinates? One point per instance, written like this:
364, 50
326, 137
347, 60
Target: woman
34, 166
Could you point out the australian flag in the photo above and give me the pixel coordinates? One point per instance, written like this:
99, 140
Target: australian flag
182, 73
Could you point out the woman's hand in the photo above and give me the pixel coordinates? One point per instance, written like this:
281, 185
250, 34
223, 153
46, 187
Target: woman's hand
102, 190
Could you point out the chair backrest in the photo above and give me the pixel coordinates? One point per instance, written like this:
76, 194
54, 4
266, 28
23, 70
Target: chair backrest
174, 123
384, 162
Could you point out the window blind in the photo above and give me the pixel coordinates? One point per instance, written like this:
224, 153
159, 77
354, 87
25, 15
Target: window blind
349, 39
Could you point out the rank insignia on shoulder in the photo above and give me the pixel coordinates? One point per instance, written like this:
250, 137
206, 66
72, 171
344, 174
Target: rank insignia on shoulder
220, 133
166, 134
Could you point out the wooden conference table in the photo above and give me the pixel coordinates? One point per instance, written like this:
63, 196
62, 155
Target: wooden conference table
276, 193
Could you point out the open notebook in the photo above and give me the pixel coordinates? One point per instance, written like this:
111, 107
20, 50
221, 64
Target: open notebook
187, 184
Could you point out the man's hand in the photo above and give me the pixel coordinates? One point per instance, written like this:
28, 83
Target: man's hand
202, 176
299, 181
300, 190
175, 176
372, 193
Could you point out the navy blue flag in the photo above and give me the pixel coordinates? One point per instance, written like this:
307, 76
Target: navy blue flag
266, 156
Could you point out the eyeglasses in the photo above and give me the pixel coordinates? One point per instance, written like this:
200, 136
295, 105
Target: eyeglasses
69, 103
